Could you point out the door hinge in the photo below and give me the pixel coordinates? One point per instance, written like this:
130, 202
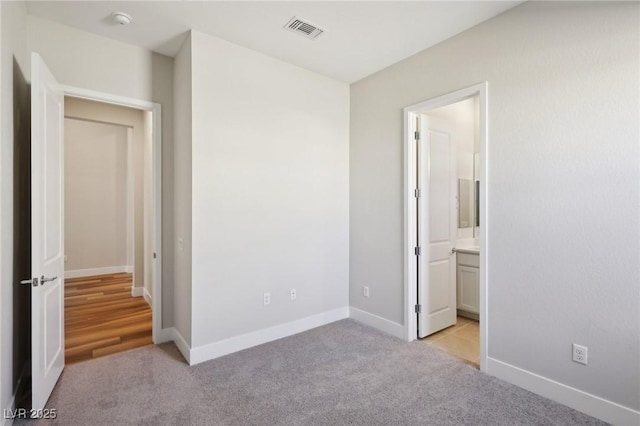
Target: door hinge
416, 192
418, 309
416, 135
417, 251
155, 255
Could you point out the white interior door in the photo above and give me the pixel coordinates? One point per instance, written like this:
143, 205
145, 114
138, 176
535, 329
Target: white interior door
436, 226
47, 250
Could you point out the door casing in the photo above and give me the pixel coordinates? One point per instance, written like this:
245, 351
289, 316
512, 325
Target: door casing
410, 201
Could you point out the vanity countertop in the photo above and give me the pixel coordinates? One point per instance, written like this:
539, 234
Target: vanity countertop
469, 248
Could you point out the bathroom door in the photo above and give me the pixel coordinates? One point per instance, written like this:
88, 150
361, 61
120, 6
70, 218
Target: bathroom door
436, 226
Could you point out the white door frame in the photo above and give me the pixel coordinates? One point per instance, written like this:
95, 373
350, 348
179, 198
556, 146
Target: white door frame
131, 239
411, 263
156, 109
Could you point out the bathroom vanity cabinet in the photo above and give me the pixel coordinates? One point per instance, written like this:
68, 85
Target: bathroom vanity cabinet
468, 283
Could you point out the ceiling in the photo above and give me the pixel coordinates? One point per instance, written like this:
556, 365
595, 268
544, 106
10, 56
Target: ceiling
360, 38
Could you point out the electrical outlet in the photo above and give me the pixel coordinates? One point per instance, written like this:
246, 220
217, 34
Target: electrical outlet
180, 244
365, 291
267, 298
580, 354
292, 294
66, 258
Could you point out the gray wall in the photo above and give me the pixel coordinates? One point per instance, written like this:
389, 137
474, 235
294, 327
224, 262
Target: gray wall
14, 115
182, 180
95, 195
270, 191
563, 193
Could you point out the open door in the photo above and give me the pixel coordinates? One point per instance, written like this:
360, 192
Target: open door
436, 226
47, 249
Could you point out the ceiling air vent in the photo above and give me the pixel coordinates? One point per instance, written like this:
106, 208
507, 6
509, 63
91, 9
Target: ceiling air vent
303, 28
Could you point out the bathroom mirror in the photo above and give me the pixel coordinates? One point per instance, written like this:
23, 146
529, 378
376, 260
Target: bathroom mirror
477, 203
466, 202
476, 174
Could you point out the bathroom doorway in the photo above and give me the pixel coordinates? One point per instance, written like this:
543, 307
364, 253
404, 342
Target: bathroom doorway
445, 173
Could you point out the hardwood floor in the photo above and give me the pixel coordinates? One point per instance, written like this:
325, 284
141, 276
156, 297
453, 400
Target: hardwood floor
102, 318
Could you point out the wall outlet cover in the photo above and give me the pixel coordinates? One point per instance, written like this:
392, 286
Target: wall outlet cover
579, 354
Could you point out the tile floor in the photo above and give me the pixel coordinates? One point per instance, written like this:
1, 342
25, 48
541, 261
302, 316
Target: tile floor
461, 340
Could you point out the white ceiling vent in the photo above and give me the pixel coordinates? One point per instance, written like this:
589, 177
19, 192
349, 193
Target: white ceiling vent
303, 28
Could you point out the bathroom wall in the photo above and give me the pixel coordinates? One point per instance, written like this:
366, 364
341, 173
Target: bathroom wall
464, 118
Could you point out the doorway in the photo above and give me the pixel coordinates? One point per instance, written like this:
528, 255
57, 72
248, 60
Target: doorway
154, 126
47, 222
108, 221
445, 204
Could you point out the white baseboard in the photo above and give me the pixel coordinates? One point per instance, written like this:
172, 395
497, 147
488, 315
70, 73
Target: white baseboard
379, 323
165, 335
172, 334
142, 292
77, 273
234, 344
147, 297
592, 405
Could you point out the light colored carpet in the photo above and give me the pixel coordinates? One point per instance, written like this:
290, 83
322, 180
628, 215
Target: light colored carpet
341, 374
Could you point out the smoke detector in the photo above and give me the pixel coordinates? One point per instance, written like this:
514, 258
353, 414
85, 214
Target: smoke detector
121, 18
303, 28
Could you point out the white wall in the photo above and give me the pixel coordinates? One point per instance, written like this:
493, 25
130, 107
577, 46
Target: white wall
134, 119
182, 180
270, 191
462, 115
88, 61
13, 46
563, 191
95, 195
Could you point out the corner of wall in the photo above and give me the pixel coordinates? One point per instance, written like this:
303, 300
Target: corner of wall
228, 346
392, 328
182, 207
172, 334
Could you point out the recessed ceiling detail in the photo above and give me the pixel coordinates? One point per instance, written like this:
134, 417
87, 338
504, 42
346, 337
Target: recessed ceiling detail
303, 28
